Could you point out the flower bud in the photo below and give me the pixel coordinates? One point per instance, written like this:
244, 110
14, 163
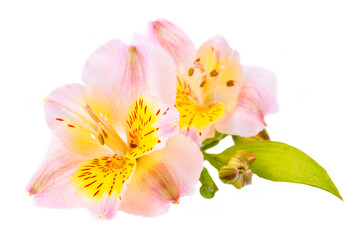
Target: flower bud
237, 171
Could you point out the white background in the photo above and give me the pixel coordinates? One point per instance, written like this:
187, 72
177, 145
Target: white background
312, 46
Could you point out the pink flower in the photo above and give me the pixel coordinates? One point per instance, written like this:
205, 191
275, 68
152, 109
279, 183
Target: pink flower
115, 146
214, 91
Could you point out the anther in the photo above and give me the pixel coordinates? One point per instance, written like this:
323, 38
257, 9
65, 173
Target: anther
190, 72
202, 83
101, 139
104, 133
214, 73
230, 83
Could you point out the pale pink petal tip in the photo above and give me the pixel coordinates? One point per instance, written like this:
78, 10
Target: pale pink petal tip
174, 40
50, 186
106, 209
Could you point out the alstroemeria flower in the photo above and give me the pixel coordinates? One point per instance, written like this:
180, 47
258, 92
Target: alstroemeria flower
214, 91
116, 146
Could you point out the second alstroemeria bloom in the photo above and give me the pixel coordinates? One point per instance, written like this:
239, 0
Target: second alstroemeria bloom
116, 144
214, 91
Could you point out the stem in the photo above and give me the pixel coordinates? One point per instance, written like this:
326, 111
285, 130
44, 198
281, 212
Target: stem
212, 142
213, 160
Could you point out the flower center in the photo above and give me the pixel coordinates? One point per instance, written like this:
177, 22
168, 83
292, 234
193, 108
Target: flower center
103, 175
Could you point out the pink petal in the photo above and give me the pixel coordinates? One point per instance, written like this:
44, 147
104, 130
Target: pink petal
161, 81
217, 43
124, 72
257, 98
66, 115
105, 67
162, 177
174, 41
50, 185
106, 209
196, 136
265, 82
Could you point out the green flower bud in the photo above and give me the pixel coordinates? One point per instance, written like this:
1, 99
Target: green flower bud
237, 171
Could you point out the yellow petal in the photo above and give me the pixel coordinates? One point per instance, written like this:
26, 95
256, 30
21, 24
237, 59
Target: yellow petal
105, 176
192, 113
149, 124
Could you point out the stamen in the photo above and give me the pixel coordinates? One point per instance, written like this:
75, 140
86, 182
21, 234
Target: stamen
202, 84
104, 133
114, 142
214, 73
101, 139
191, 72
230, 83
71, 111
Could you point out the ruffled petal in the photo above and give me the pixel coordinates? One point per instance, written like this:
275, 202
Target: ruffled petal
174, 41
162, 177
124, 72
149, 124
82, 117
257, 98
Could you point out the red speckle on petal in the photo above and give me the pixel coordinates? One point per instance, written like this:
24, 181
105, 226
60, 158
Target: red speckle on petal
158, 112
72, 126
60, 119
89, 184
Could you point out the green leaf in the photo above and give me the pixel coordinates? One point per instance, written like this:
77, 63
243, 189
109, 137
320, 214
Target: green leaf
280, 162
208, 188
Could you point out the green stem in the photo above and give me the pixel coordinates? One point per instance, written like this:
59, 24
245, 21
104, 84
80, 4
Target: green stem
212, 142
213, 160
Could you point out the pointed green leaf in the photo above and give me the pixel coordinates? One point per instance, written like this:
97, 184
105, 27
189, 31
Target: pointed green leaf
280, 162
208, 188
